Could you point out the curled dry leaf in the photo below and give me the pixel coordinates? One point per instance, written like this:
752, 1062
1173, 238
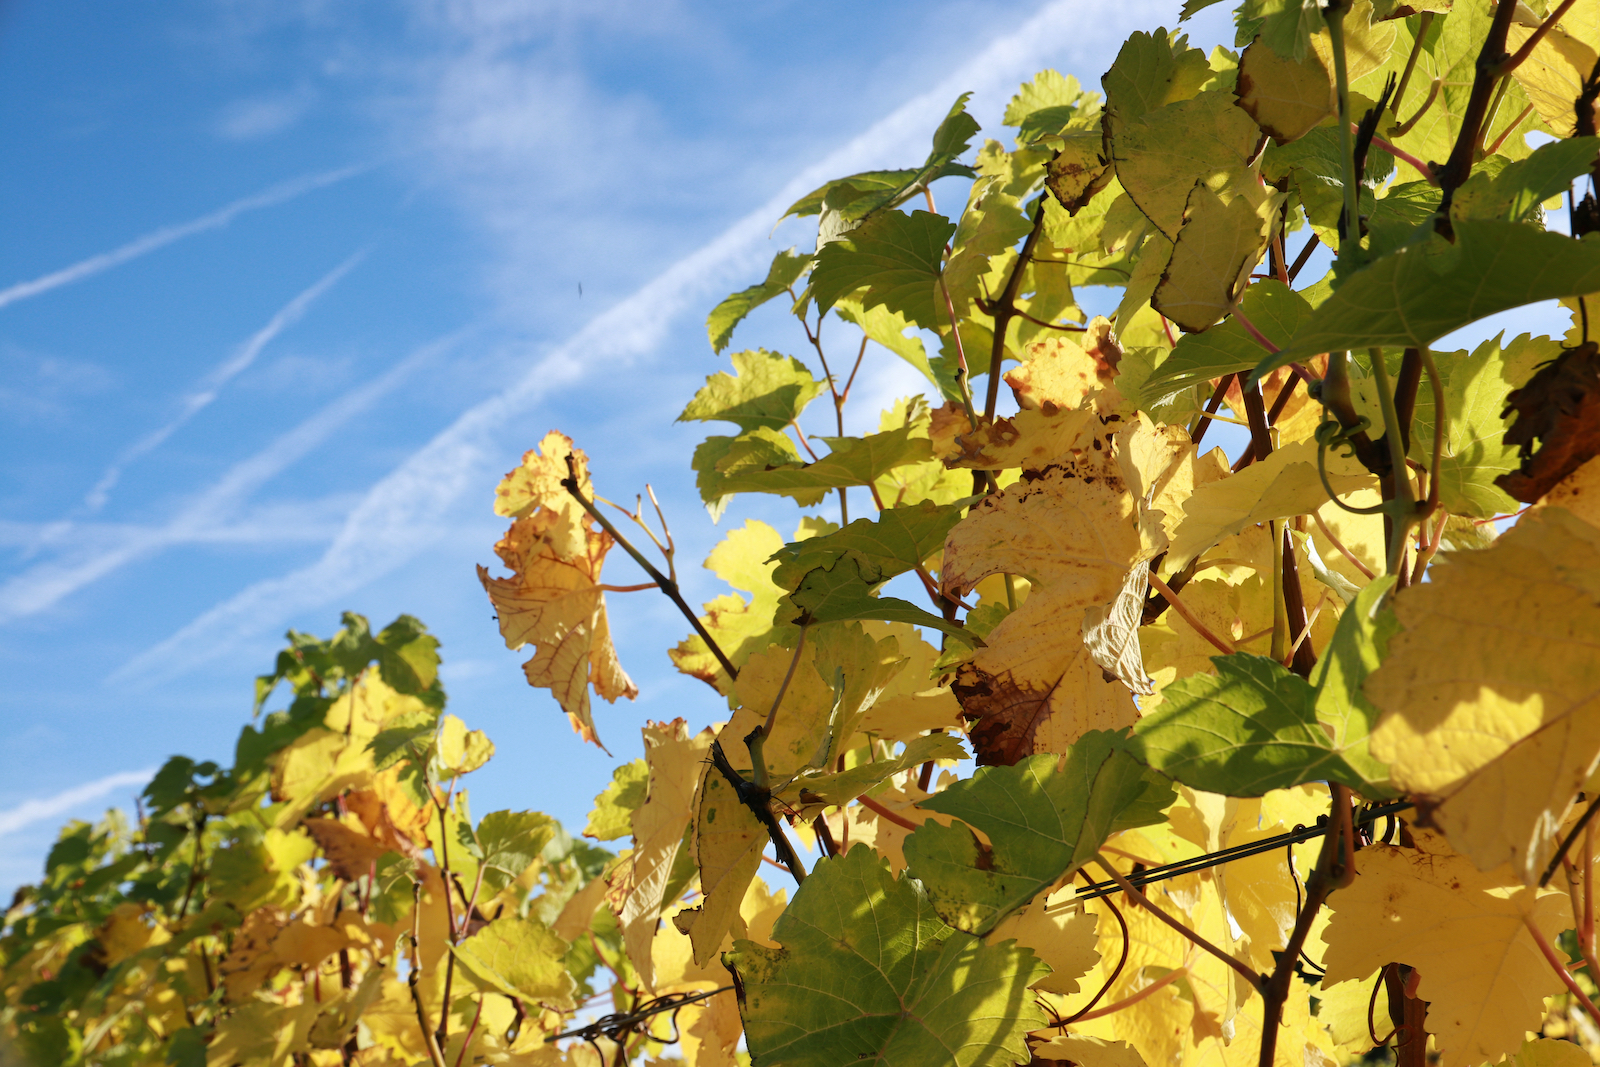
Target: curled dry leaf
553, 600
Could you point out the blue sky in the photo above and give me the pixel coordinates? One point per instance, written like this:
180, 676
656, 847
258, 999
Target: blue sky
288, 285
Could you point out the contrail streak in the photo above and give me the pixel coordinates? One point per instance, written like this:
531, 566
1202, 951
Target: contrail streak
87, 268
212, 383
400, 515
31, 811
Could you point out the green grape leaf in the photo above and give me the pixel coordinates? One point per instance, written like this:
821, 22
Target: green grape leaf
1047, 104
1250, 728
612, 816
1417, 294
1475, 391
852, 461
511, 840
519, 958
841, 787
1041, 823
1517, 191
1159, 155
896, 258
883, 183
1218, 245
408, 656
765, 391
785, 271
1359, 645
1395, 219
1151, 71
1272, 307
1285, 26
727, 465
853, 199
887, 328
842, 592
866, 971
898, 541
1193, 7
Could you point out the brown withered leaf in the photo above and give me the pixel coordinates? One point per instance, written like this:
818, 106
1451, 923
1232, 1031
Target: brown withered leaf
350, 852
554, 601
1560, 409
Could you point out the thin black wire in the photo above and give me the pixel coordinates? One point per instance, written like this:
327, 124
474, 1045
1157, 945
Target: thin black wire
613, 1026
1238, 852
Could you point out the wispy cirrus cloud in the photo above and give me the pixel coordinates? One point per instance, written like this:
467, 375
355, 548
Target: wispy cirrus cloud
45, 584
207, 389
398, 517
166, 235
34, 811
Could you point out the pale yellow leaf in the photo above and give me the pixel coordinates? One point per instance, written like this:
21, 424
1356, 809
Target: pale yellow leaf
1285, 97
1218, 245
1481, 972
1491, 716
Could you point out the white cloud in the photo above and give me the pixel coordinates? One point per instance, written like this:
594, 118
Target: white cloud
262, 116
398, 518
32, 811
207, 388
104, 261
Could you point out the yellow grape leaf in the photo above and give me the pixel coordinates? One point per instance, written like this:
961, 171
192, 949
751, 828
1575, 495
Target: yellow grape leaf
518, 958
728, 840
1579, 493
1342, 1010
1069, 372
553, 600
909, 705
1283, 484
1285, 97
1085, 1051
1060, 933
536, 485
577, 914
1553, 75
1158, 155
1361, 535
1073, 532
250, 960
1216, 248
348, 848
740, 627
1491, 718
1030, 439
711, 1030
461, 751
1482, 973
673, 955
1547, 1052
264, 1033
676, 761
319, 765
128, 930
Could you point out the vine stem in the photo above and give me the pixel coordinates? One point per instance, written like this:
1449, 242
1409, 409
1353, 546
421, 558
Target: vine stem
1332, 869
1350, 224
1561, 969
1007, 308
1511, 63
1127, 1002
884, 813
665, 584
1463, 153
1345, 552
1188, 616
1145, 902
435, 1054
1401, 509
